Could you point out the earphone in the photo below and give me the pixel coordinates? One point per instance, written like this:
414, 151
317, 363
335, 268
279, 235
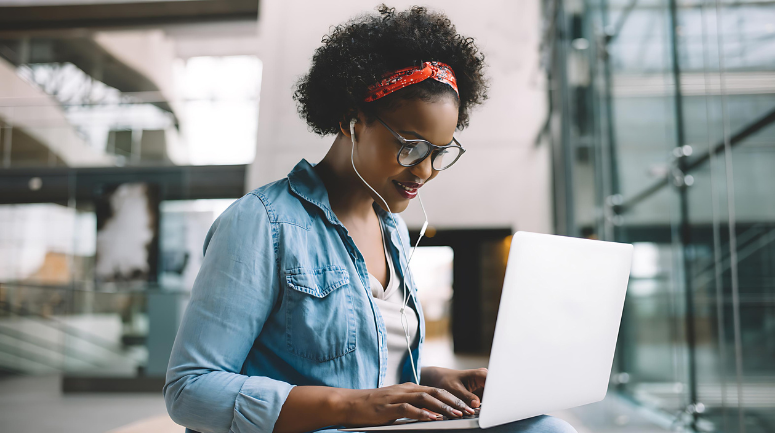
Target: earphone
404, 320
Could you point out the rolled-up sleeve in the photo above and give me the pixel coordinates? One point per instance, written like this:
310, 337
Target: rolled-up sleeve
233, 295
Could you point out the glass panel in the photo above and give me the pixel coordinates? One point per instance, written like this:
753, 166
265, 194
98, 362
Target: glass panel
683, 172
94, 279
54, 318
653, 353
98, 101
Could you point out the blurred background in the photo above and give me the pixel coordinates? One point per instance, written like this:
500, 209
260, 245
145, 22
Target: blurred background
128, 126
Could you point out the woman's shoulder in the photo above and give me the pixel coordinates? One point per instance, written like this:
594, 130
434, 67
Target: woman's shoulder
249, 218
270, 203
240, 225
272, 193
281, 204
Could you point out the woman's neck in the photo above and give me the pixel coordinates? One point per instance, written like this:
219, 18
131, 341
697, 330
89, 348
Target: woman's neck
347, 194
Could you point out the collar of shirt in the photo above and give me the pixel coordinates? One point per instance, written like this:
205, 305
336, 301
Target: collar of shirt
306, 184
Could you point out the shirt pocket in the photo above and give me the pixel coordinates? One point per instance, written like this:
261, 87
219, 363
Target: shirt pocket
319, 318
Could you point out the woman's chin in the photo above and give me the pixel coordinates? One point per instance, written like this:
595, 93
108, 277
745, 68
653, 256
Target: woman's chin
399, 205
396, 206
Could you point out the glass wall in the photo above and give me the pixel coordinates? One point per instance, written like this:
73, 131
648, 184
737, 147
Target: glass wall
665, 138
118, 149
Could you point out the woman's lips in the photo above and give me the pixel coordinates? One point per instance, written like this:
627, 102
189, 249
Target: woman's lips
407, 189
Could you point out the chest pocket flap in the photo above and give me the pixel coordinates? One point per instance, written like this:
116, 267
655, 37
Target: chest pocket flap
317, 282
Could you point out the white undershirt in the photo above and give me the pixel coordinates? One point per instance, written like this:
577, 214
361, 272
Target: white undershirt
389, 301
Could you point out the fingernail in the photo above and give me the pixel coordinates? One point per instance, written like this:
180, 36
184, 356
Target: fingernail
457, 412
469, 410
439, 417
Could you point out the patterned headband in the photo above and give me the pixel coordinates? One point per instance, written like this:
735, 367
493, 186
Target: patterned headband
401, 78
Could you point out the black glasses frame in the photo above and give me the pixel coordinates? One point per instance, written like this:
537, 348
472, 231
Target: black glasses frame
431, 148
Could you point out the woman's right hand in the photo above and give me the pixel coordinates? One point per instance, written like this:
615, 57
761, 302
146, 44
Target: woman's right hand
365, 407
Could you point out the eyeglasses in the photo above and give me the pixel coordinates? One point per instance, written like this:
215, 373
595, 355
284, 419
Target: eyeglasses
414, 151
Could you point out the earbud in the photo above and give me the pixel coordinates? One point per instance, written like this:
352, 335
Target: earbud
352, 129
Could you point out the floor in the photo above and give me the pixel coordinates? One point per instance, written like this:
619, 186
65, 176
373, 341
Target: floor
34, 404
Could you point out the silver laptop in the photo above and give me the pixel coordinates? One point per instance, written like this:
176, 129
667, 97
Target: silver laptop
555, 334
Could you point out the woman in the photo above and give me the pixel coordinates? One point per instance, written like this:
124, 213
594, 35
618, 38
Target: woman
303, 315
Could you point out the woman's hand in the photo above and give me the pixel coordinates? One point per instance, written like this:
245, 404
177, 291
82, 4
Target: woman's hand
364, 407
467, 385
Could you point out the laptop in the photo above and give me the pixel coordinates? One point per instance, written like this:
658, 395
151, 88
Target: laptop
555, 334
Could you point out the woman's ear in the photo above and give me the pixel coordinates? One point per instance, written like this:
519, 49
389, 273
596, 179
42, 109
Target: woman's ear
344, 124
344, 127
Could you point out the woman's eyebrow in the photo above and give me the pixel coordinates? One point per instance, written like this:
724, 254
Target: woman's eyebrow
420, 136
413, 133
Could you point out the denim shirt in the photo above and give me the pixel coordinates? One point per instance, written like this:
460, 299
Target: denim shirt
282, 299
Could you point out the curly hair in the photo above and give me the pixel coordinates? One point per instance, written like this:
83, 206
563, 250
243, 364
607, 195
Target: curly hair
358, 53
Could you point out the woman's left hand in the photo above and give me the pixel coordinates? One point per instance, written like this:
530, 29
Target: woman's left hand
467, 385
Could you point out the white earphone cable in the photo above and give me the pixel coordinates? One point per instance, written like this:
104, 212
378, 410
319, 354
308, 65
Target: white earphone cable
404, 319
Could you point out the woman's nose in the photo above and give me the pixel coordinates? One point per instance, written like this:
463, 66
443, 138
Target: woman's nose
423, 170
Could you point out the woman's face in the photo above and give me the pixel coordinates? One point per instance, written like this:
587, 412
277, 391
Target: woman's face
376, 148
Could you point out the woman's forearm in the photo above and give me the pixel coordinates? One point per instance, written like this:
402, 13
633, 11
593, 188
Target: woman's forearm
311, 408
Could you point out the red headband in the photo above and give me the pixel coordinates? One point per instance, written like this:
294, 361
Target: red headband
401, 78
